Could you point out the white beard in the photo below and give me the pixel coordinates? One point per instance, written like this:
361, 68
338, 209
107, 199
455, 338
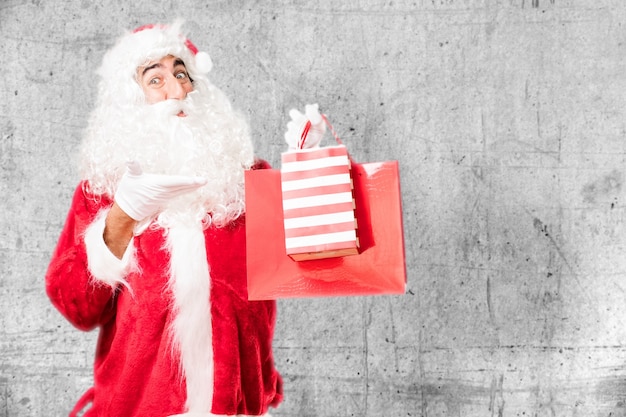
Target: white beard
212, 141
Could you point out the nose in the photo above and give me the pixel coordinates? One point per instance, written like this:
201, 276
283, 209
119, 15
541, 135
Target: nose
174, 89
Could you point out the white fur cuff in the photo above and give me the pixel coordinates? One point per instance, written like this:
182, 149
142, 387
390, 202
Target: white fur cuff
102, 264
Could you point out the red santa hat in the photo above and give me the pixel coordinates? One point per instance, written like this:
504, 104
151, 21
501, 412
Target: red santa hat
202, 59
145, 44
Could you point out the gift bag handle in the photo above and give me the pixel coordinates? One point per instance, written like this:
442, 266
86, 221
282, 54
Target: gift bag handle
307, 127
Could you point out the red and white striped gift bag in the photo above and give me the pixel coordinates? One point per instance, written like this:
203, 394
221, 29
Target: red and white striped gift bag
318, 203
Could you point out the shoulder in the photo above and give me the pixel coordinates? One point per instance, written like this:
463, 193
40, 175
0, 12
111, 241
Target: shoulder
84, 200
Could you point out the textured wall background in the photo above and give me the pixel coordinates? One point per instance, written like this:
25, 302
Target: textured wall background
508, 119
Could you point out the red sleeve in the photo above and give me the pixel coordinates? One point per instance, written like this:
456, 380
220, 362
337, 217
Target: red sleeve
83, 301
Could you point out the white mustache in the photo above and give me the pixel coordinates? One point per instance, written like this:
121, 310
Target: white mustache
170, 107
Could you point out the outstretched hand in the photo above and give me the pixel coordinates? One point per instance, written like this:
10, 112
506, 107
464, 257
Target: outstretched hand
141, 195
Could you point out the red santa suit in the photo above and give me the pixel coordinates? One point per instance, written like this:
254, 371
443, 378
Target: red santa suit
224, 341
177, 332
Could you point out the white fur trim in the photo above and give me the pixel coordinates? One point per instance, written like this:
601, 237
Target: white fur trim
192, 332
102, 264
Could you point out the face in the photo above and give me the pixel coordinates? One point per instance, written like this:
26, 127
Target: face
164, 79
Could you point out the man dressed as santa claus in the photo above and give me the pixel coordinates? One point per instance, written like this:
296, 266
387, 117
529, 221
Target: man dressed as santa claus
153, 248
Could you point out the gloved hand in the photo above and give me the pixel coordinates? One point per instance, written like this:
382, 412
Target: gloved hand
141, 195
300, 123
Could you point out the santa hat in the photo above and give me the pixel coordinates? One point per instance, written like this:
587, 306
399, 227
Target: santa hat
145, 44
202, 59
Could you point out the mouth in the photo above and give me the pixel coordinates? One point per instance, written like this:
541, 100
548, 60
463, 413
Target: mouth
181, 114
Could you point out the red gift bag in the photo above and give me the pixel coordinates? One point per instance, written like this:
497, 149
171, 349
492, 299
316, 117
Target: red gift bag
378, 268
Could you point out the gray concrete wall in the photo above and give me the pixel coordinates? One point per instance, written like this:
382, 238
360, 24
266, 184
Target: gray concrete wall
508, 120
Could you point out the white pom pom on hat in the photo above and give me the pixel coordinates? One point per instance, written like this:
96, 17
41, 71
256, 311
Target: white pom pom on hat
203, 62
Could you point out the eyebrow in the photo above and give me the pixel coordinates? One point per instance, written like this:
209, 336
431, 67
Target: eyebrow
148, 68
177, 62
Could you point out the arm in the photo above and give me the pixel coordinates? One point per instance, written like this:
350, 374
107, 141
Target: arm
95, 254
83, 299
118, 230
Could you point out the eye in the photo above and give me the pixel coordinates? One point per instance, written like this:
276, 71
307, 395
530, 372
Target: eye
153, 81
182, 75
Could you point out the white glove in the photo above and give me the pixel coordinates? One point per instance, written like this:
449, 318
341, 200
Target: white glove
298, 125
141, 195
